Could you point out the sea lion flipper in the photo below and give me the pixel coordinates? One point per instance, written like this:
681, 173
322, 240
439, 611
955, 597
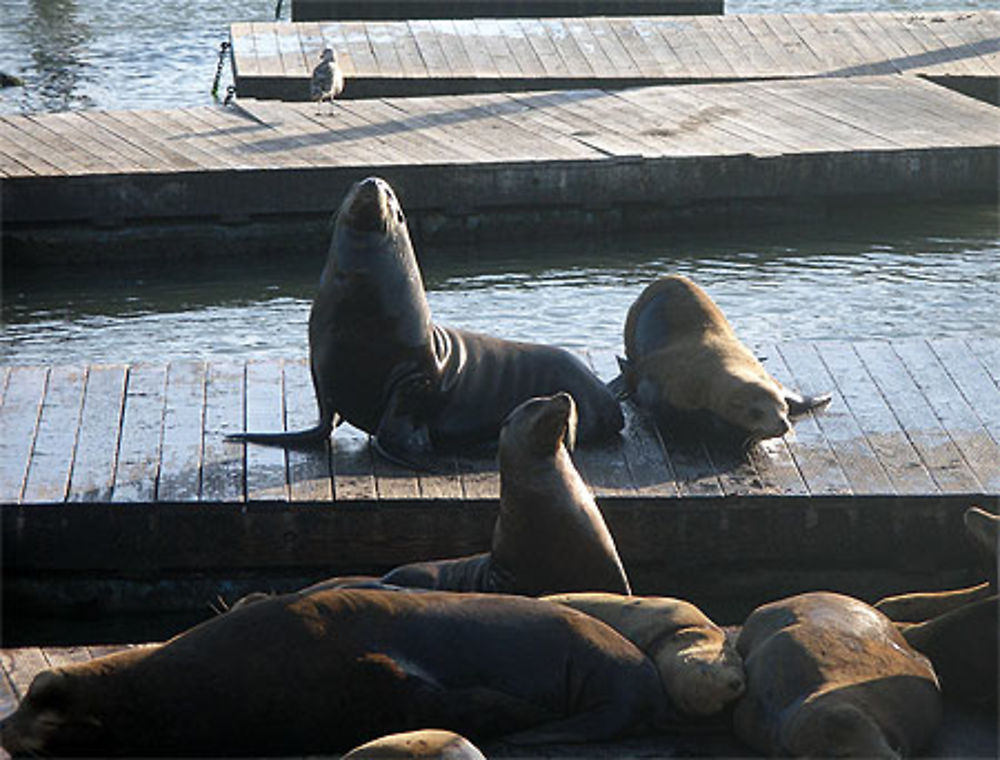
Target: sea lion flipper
621, 386
401, 436
799, 404
297, 439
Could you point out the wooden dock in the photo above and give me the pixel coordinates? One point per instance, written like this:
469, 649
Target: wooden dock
514, 156
122, 472
319, 10
449, 56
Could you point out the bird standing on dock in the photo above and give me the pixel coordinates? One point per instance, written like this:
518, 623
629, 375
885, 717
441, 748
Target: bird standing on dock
327, 79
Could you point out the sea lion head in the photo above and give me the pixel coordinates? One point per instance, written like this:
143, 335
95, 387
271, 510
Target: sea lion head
52, 719
756, 406
540, 426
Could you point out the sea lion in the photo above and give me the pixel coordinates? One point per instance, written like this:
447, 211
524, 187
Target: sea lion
958, 630
684, 362
549, 535
379, 362
426, 744
830, 675
700, 670
321, 672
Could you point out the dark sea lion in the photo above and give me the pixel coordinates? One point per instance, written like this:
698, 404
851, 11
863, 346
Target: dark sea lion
550, 535
379, 362
699, 668
425, 744
685, 365
320, 672
958, 629
828, 675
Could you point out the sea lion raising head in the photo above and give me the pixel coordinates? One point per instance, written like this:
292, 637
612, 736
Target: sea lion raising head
549, 535
380, 363
684, 360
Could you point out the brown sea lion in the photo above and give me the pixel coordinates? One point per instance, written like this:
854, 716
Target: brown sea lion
828, 675
550, 535
700, 670
958, 629
425, 744
379, 362
319, 672
684, 362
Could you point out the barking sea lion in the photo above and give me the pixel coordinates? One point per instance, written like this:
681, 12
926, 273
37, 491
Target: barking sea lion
550, 535
379, 362
319, 672
683, 359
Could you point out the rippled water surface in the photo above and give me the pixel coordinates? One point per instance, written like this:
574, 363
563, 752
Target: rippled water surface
926, 273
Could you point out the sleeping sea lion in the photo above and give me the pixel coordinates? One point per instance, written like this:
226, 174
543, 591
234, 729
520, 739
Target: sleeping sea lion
958, 630
684, 361
700, 670
550, 535
828, 675
321, 672
379, 362
425, 744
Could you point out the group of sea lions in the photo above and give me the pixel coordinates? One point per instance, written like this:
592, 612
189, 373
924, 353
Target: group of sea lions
379, 362
537, 640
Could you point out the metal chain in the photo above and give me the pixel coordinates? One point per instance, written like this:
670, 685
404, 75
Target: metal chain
223, 47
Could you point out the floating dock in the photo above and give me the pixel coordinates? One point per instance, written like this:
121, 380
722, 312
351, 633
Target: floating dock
318, 10
119, 475
501, 156
449, 56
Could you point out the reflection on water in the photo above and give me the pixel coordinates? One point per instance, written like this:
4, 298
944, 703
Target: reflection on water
56, 38
926, 273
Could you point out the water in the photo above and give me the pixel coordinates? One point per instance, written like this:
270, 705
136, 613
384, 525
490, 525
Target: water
163, 53
925, 273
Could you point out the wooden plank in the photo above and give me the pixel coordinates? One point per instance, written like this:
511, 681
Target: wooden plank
11, 167
668, 60
56, 437
588, 45
623, 65
431, 48
649, 469
109, 154
521, 50
21, 665
154, 127
293, 60
174, 125
183, 432
454, 49
93, 475
268, 55
630, 39
171, 159
244, 51
298, 129
901, 461
60, 657
567, 47
400, 141
412, 63
222, 467
18, 141
142, 429
354, 474
266, 474
19, 416
83, 122
957, 416
727, 58
310, 473
974, 367
8, 697
552, 64
382, 42
937, 452
802, 60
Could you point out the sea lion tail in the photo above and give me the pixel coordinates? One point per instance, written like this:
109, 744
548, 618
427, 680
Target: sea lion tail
298, 439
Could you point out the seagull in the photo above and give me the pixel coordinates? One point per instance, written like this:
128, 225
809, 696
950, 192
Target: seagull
327, 79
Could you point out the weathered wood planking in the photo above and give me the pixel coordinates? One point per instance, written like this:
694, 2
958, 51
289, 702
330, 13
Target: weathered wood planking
916, 418
489, 153
319, 10
386, 58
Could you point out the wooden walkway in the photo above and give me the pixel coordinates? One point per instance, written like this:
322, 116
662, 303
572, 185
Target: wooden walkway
655, 147
447, 56
914, 426
318, 10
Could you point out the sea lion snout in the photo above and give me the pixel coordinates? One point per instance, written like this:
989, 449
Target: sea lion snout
543, 422
370, 205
